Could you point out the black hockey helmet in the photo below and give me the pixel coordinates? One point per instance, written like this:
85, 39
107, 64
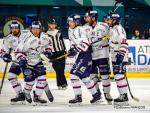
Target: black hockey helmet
92, 13
115, 16
36, 24
14, 24
52, 21
74, 17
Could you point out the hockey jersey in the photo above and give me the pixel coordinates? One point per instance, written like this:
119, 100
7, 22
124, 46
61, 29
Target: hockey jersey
46, 44
29, 48
100, 48
118, 42
78, 39
12, 42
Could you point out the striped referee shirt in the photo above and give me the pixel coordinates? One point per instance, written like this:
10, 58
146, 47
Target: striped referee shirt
57, 40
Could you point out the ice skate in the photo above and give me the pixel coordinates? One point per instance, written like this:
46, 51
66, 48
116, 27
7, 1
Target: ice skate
19, 99
28, 97
122, 100
38, 101
76, 101
96, 99
108, 98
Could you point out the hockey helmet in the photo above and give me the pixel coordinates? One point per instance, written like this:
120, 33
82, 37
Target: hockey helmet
92, 13
51, 21
115, 16
14, 24
74, 17
36, 24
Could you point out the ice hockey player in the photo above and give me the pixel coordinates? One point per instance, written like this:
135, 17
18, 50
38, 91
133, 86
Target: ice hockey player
28, 53
45, 48
11, 42
100, 51
82, 67
119, 51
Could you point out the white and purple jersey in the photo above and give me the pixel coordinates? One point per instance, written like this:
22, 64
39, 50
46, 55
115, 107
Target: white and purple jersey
100, 48
78, 39
29, 48
118, 42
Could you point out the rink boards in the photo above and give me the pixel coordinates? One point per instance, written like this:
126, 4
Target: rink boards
129, 75
139, 55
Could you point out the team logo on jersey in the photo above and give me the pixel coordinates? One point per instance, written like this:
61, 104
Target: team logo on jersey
27, 73
93, 33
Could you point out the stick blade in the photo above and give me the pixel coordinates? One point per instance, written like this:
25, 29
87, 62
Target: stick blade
136, 99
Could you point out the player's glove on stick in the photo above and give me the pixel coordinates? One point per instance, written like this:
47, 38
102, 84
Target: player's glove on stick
119, 58
48, 54
72, 52
23, 63
7, 57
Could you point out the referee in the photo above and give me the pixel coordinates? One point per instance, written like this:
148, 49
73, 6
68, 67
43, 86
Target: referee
58, 49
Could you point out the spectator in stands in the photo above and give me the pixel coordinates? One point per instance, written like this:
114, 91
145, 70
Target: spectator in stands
147, 34
137, 35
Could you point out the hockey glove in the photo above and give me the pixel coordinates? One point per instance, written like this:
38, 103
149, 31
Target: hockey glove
48, 54
72, 52
90, 49
7, 57
23, 63
119, 58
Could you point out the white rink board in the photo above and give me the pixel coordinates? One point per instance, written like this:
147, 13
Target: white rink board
139, 52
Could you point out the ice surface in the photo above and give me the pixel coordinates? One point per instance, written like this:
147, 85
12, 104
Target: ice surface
139, 87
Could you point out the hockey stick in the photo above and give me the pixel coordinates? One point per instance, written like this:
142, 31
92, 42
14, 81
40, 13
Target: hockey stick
52, 60
134, 98
4, 74
104, 38
65, 55
28, 66
16, 62
116, 6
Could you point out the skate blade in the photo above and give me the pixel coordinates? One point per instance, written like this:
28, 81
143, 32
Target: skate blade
18, 103
75, 104
39, 104
121, 103
97, 102
64, 88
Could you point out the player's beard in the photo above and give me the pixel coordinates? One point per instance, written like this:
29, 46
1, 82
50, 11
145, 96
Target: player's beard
16, 33
91, 23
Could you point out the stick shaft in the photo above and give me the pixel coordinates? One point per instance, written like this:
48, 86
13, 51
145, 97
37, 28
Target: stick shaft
4, 74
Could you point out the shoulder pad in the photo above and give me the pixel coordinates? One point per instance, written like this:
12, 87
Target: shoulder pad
43, 33
25, 31
118, 27
9, 37
35, 39
104, 24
